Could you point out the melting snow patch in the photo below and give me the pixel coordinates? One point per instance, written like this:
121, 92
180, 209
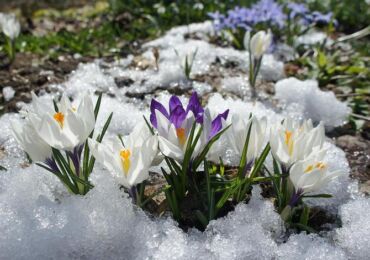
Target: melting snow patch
354, 235
311, 101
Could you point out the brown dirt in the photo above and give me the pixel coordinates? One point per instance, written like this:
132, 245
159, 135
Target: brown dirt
30, 73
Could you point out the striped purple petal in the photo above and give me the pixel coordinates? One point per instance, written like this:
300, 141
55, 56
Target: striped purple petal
195, 106
155, 105
217, 123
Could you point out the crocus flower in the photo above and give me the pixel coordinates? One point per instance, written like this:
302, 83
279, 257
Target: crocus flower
260, 43
212, 126
10, 25
291, 142
128, 161
174, 126
311, 174
66, 128
30, 141
238, 133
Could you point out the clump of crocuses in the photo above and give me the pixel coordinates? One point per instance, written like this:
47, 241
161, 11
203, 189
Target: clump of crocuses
179, 138
54, 135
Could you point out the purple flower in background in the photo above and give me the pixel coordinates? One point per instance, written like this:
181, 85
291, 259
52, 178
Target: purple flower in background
267, 12
322, 19
297, 9
218, 20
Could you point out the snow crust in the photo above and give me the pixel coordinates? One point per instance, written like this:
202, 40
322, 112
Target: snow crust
40, 220
306, 98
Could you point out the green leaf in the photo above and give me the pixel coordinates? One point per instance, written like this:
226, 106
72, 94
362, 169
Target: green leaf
202, 218
259, 163
208, 146
305, 215
243, 158
321, 59
148, 125
2, 168
97, 105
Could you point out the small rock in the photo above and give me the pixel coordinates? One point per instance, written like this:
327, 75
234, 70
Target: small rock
123, 82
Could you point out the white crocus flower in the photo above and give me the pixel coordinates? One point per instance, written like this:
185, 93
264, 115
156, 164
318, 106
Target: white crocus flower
67, 128
291, 142
259, 43
246, 40
311, 174
10, 25
172, 140
237, 135
30, 141
130, 161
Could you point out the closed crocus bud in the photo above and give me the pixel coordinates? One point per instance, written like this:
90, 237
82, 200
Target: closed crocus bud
128, 162
246, 40
311, 174
30, 141
10, 26
67, 128
238, 132
260, 43
291, 141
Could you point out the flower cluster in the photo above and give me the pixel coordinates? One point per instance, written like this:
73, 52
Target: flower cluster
180, 138
305, 17
269, 14
50, 130
264, 12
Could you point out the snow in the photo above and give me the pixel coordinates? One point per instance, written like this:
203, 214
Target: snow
312, 38
40, 220
307, 98
354, 235
8, 93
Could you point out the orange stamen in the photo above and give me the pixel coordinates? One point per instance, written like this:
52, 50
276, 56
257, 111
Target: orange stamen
59, 117
125, 160
180, 132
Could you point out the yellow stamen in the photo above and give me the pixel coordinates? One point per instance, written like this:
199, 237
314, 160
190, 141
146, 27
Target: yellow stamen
125, 160
309, 169
320, 165
59, 117
180, 132
289, 141
74, 109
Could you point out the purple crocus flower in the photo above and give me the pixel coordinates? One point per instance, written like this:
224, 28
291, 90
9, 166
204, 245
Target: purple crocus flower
177, 114
216, 124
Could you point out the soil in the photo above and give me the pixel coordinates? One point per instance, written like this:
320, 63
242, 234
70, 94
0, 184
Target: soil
30, 73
